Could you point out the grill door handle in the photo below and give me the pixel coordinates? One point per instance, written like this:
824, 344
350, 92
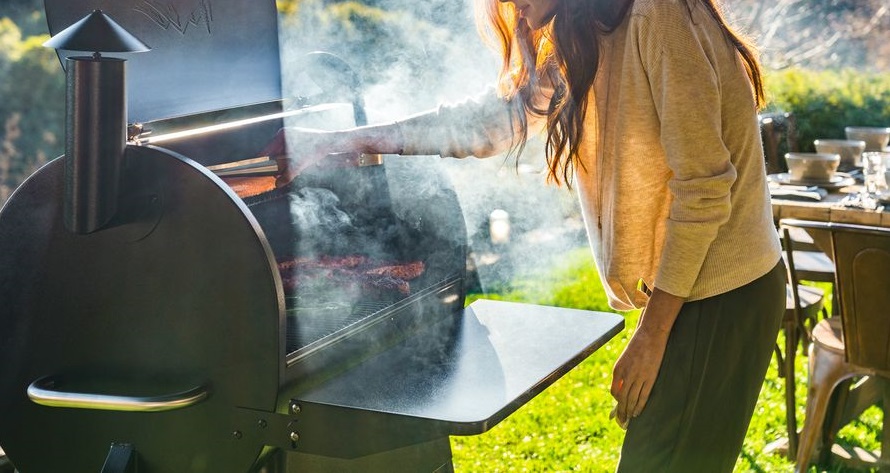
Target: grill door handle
42, 392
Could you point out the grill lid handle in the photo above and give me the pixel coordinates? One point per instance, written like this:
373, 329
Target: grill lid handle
42, 392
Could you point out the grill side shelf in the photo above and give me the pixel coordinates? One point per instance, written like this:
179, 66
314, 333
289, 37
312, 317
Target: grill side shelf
505, 354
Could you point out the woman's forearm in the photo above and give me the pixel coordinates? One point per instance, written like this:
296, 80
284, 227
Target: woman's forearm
378, 139
384, 138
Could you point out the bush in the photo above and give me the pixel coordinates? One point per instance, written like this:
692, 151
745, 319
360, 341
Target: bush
32, 105
824, 102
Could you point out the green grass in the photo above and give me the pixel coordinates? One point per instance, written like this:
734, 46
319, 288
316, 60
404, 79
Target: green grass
566, 428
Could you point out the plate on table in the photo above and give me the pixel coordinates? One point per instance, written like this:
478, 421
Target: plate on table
840, 179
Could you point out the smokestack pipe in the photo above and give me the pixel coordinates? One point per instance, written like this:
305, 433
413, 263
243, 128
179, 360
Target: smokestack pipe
95, 140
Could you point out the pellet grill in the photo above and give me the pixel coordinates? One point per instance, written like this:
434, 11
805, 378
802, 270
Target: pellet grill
155, 318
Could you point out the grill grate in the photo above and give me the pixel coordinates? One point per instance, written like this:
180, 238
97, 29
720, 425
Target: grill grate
309, 325
312, 326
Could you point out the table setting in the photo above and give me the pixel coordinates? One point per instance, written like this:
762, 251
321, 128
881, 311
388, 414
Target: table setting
842, 181
810, 176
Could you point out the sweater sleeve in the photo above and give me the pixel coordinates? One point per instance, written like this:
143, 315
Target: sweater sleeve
479, 126
686, 93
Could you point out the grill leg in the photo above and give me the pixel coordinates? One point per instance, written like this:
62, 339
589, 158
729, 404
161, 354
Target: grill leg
274, 462
121, 459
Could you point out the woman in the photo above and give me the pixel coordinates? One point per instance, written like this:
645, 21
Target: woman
649, 110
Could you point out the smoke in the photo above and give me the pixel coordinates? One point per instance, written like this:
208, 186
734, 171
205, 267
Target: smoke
319, 209
411, 57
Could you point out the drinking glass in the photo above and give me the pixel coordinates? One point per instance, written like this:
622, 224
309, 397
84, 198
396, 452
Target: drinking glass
874, 163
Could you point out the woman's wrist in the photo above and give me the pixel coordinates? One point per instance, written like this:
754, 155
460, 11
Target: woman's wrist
660, 313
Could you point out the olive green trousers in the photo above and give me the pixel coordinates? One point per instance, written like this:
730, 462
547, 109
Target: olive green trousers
710, 378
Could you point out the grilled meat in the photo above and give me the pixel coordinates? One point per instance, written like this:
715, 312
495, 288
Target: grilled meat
348, 271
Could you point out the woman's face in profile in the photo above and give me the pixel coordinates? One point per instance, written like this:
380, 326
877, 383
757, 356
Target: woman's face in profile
536, 13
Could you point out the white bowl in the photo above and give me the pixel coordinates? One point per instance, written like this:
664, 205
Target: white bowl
875, 137
812, 167
850, 151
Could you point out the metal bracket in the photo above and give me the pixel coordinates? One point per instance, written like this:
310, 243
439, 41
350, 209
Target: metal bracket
265, 428
346, 432
332, 431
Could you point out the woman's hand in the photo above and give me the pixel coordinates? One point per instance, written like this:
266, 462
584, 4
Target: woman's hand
637, 368
635, 373
295, 149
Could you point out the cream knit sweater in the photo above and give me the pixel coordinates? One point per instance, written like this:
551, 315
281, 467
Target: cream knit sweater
673, 187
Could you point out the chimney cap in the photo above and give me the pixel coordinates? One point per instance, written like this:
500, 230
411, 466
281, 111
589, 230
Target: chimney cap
97, 33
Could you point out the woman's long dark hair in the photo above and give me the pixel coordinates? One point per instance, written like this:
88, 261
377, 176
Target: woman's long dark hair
565, 55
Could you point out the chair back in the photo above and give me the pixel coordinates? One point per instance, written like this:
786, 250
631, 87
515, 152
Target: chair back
779, 134
862, 262
791, 234
861, 257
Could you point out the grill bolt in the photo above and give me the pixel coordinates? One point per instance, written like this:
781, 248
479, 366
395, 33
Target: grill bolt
236, 435
295, 408
262, 423
294, 437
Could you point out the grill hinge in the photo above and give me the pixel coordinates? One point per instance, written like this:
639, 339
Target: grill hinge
136, 132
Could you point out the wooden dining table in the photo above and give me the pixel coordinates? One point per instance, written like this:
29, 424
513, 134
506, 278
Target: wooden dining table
832, 209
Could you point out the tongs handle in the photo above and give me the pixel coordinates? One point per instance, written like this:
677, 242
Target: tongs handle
42, 392
261, 166
270, 166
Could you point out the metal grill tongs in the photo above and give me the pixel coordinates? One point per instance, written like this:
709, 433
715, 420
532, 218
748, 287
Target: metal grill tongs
253, 167
273, 166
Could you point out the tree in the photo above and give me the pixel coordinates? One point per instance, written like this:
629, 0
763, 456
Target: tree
818, 34
26, 14
32, 108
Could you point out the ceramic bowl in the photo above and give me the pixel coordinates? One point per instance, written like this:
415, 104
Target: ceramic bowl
850, 151
812, 167
875, 137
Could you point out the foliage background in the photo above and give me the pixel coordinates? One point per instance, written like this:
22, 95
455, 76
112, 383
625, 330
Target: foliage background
31, 90
826, 101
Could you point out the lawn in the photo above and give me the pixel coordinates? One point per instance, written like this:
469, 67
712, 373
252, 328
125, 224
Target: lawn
566, 428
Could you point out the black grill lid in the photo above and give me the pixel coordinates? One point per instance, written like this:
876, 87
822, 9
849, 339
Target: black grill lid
206, 54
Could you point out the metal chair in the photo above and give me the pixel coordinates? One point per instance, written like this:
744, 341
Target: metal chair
811, 263
778, 130
803, 306
855, 345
